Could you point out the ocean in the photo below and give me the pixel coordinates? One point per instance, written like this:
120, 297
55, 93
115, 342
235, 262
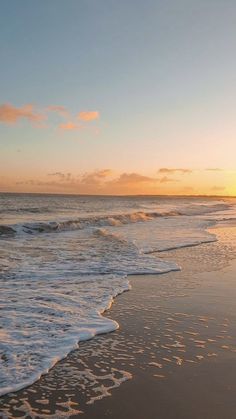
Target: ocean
64, 258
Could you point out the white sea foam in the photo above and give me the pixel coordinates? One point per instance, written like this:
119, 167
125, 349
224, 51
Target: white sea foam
42, 322
53, 294
168, 233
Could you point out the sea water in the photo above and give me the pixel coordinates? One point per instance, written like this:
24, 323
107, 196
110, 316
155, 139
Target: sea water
64, 258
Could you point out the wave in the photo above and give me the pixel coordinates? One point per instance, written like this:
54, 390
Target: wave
80, 223
33, 210
115, 220
7, 231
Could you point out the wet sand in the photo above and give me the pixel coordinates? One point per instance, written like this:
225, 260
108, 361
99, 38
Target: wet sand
174, 355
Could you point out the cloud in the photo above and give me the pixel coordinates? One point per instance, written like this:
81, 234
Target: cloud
88, 115
133, 178
60, 110
214, 169
82, 116
61, 176
87, 183
62, 181
136, 178
166, 179
69, 126
95, 178
104, 178
56, 174
103, 181
103, 173
170, 170
11, 115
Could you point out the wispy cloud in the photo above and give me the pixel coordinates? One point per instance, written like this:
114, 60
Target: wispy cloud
61, 176
91, 182
133, 178
174, 170
102, 181
88, 115
11, 115
69, 126
60, 110
96, 178
214, 169
166, 179
83, 182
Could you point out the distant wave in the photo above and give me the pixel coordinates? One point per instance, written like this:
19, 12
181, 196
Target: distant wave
6, 230
33, 210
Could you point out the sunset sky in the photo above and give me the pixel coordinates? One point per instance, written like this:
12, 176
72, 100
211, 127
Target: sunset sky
118, 97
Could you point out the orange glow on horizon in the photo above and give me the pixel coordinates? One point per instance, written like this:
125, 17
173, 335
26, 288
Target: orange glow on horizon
109, 182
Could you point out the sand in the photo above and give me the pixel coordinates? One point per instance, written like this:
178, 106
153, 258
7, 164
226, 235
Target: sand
174, 355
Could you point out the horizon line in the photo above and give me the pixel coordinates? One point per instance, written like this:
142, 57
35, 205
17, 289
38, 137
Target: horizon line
120, 195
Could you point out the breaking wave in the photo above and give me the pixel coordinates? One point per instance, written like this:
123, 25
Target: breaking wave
109, 220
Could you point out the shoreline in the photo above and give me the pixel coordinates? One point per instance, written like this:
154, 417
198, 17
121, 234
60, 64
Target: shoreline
87, 374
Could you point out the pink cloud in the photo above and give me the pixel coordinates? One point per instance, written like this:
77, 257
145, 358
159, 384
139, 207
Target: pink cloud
61, 110
69, 126
88, 115
11, 115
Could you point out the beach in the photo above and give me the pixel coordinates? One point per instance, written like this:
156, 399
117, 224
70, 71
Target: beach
173, 356
117, 209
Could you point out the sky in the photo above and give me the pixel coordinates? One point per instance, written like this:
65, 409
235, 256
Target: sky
118, 97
